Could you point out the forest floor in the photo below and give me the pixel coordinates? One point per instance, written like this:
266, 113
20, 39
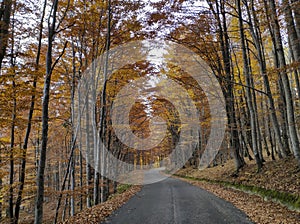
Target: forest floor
98, 213
92, 215
278, 175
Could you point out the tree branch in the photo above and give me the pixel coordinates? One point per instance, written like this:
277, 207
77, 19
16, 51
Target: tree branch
59, 57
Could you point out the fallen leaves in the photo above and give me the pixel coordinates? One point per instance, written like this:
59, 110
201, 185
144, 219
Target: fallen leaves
98, 213
278, 175
258, 210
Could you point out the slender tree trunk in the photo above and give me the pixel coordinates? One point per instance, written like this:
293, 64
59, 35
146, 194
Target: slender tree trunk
248, 90
296, 10
5, 13
264, 128
81, 175
105, 134
244, 117
87, 154
12, 134
72, 167
286, 86
296, 74
294, 38
291, 28
30, 115
256, 36
11, 156
255, 108
96, 138
272, 144
45, 119
68, 168
72, 174
283, 146
228, 90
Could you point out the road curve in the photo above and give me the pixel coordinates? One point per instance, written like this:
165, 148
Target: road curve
173, 201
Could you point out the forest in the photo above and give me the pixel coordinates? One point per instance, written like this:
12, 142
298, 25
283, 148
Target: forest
52, 160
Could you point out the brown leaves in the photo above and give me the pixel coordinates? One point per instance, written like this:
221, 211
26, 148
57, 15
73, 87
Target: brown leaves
258, 210
98, 213
278, 175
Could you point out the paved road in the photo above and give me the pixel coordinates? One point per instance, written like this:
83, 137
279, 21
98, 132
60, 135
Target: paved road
173, 201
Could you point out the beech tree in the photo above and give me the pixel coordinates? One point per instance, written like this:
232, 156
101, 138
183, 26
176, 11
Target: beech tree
52, 30
5, 13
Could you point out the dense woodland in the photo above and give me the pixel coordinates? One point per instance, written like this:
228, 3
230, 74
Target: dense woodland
252, 47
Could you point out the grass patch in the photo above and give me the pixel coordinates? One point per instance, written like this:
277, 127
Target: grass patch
292, 201
122, 188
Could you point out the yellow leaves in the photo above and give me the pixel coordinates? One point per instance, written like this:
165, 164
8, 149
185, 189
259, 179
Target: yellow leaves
4, 140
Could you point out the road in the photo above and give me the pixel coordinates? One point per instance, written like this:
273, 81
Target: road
173, 201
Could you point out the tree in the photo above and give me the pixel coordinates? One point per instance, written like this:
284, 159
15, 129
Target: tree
5, 13
52, 29
286, 83
227, 82
249, 93
29, 122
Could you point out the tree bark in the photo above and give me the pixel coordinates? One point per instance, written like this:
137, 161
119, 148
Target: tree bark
5, 13
291, 28
248, 90
105, 133
227, 84
286, 85
258, 43
12, 134
29, 123
45, 119
295, 6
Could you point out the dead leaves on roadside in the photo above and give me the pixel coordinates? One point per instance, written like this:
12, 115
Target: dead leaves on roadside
98, 213
278, 175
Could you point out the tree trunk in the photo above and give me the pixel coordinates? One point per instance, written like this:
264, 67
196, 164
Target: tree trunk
295, 6
11, 156
286, 85
5, 12
87, 153
105, 134
227, 85
72, 167
30, 115
12, 134
248, 90
45, 119
283, 146
296, 74
291, 28
256, 36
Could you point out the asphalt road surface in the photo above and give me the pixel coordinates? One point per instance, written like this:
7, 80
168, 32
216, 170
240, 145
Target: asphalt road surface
173, 201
